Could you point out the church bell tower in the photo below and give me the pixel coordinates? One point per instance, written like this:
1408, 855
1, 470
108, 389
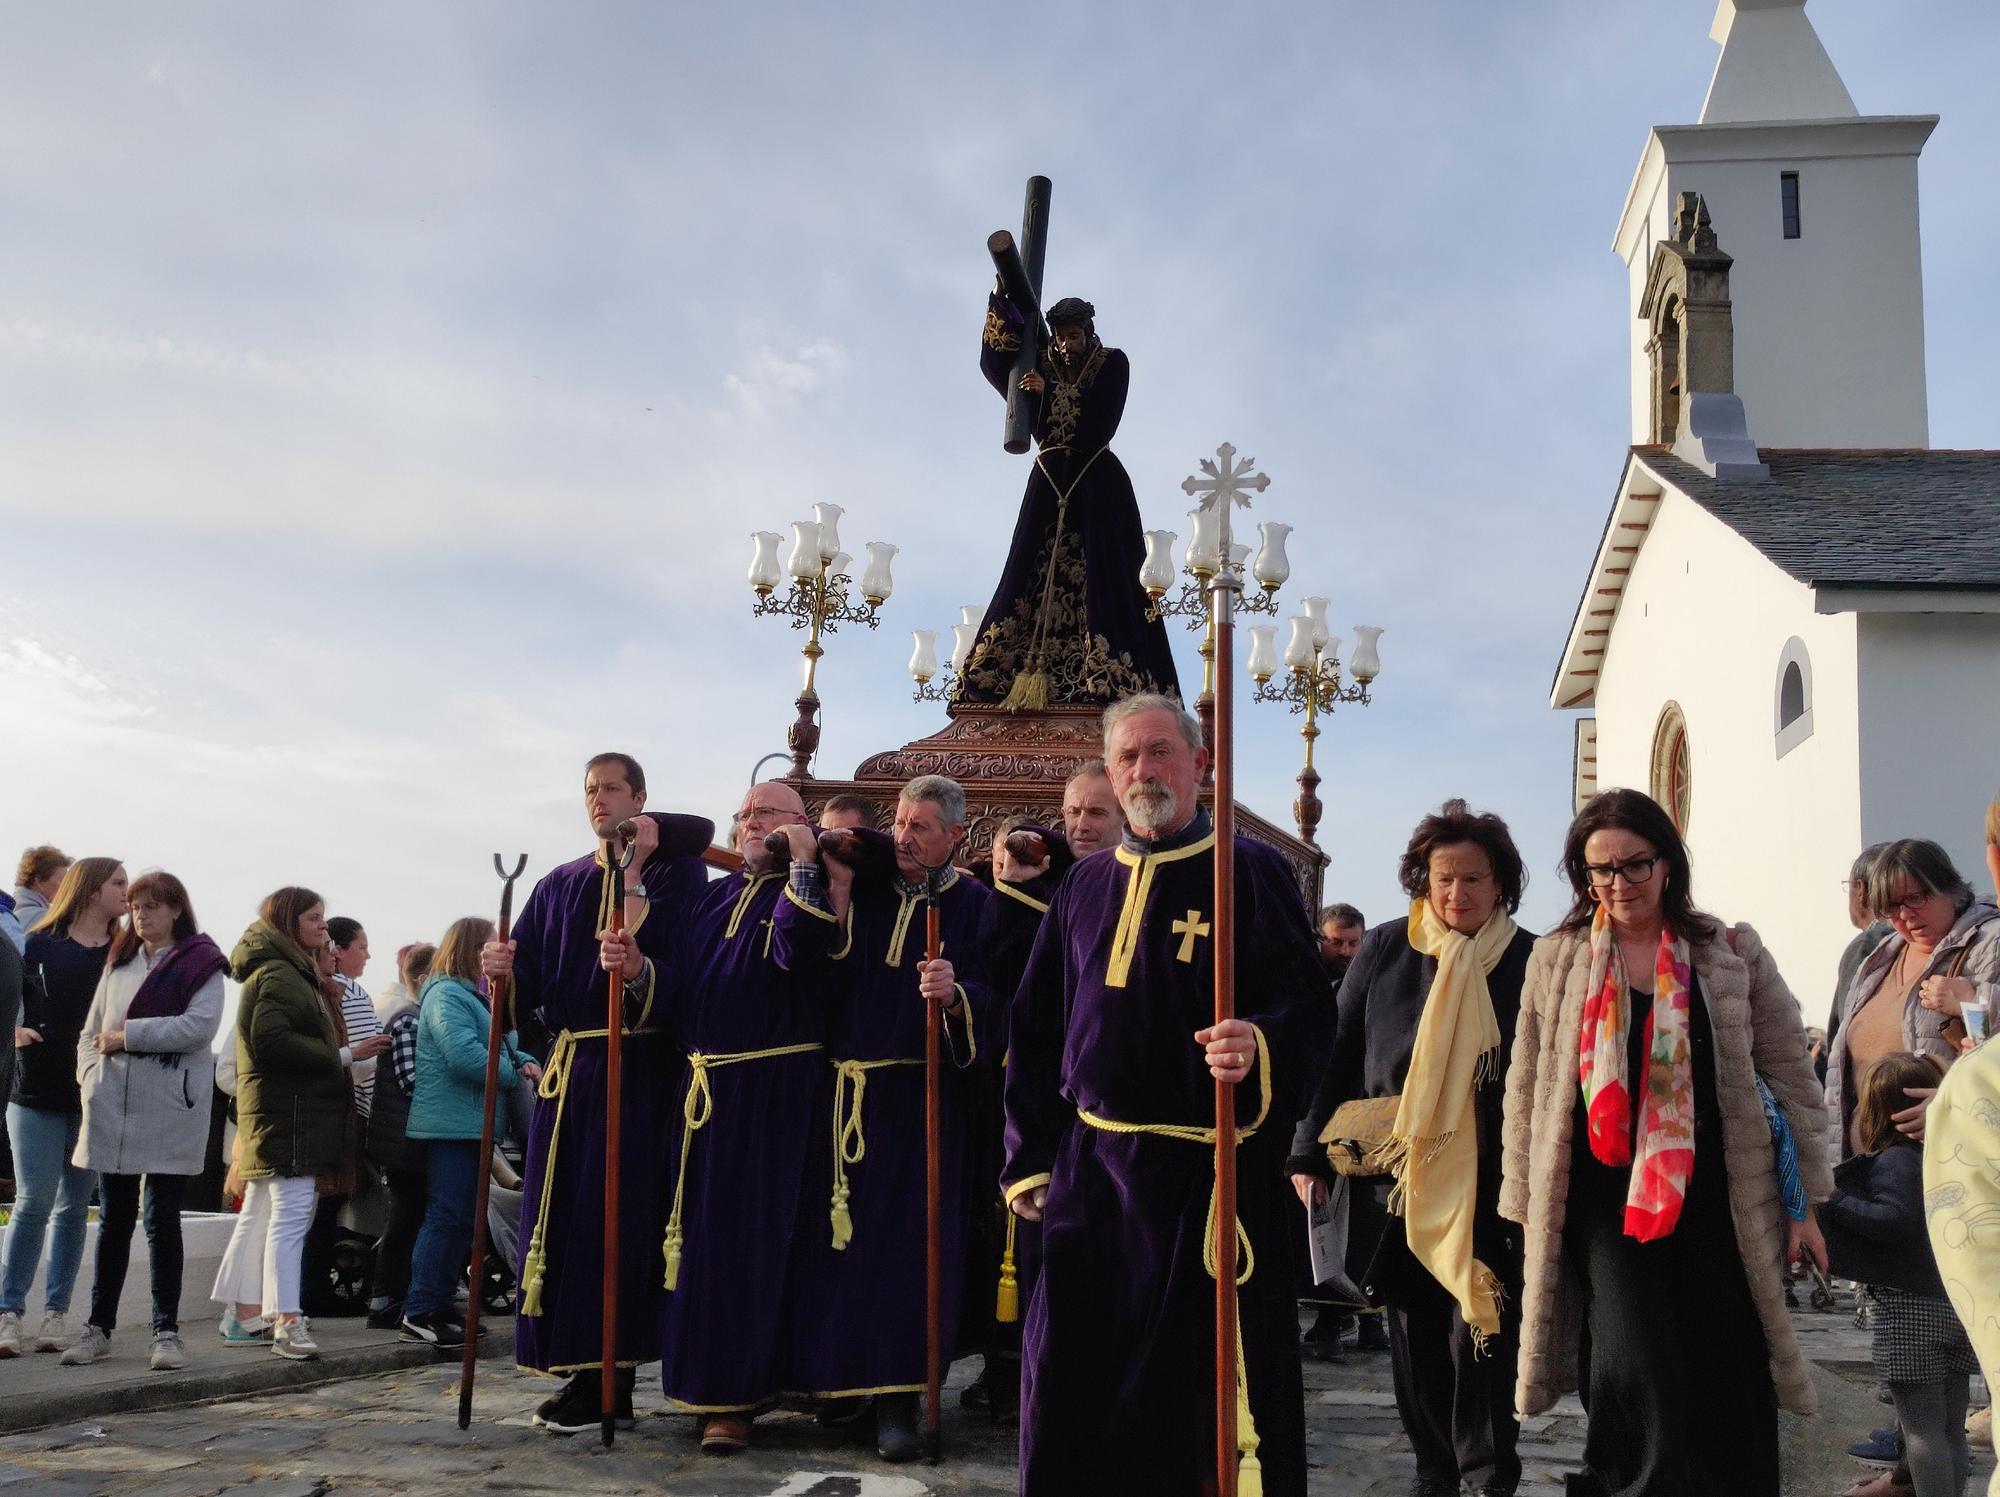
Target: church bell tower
1824, 276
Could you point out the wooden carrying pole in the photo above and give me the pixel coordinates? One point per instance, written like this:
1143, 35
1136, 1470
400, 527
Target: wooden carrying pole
933, 1195
614, 1114
1223, 949
498, 991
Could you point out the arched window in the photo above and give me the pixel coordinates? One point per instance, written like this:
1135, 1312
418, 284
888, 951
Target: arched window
1672, 768
1793, 704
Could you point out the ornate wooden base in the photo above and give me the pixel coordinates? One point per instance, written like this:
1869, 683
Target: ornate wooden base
1016, 763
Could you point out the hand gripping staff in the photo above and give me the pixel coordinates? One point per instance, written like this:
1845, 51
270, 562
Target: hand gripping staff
498, 992
615, 864
934, 885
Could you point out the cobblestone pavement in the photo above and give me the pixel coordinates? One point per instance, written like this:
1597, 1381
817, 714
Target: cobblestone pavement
396, 1433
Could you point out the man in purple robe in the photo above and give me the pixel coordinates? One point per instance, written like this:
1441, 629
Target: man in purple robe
858, 1281
560, 989
1110, 1094
745, 998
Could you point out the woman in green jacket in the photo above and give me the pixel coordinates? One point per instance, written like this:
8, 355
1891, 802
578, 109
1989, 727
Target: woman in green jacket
446, 1112
292, 1093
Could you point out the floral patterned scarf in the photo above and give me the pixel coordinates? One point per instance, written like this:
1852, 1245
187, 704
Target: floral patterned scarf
1665, 1155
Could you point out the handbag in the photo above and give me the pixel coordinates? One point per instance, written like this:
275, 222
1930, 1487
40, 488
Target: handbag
1355, 1134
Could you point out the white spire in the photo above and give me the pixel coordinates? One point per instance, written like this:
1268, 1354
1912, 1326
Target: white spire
1772, 67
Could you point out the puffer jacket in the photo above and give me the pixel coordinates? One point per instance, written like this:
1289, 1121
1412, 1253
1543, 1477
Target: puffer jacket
292, 1091
451, 1061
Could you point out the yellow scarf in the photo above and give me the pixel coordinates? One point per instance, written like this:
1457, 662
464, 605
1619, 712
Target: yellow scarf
1434, 1149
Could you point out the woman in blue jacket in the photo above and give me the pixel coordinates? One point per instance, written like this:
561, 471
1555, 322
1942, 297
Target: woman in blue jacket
445, 1116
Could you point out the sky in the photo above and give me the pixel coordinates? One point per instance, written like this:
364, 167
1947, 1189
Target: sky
388, 391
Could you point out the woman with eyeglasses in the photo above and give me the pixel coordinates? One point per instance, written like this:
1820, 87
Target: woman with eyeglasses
1910, 994
1638, 1156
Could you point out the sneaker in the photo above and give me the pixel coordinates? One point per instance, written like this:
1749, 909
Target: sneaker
575, 1411
10, 1334
434, 1328
91, 1346
293, 1340
169, 1352
256, 1331
388, 1318
1883, 1447
54, 1333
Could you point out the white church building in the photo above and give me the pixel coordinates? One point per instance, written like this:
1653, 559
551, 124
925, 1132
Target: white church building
1790, 634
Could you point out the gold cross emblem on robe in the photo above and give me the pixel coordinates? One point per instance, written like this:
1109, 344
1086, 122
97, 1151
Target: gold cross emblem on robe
1189, 930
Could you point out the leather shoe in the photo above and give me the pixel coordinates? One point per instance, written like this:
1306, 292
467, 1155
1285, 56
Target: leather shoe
896, 1438
724, 1434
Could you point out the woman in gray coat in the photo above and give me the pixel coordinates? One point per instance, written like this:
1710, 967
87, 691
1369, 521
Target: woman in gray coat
147, 1074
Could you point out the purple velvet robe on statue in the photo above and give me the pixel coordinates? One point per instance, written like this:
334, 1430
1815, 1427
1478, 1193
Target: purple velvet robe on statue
751, 975
556, 971
1118, 1381
858, 1311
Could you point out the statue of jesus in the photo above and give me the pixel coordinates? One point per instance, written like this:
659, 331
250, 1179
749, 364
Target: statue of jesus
1067, 624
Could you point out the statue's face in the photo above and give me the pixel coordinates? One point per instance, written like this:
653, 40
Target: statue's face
1071, 340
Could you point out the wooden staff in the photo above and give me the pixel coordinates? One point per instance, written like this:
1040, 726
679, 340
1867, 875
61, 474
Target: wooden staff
1223, 949
933, 1189
498, 991
614, 1114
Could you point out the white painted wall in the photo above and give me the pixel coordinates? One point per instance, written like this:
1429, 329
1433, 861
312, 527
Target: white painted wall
1703, 622
1930, 731
1829, 326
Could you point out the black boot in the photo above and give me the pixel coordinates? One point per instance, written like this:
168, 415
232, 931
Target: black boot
896, 1437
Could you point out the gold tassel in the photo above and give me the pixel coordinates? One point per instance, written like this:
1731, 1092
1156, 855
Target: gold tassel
673, 1253
1007, 1302
1250, 1477
843, 1220
1029, 693
531, 1279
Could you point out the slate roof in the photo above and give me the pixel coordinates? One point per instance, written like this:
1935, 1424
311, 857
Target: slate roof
1917, 518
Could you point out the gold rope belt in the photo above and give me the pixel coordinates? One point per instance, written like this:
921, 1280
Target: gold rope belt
555, 1084
1249, 1471
850, 1141
697, 1107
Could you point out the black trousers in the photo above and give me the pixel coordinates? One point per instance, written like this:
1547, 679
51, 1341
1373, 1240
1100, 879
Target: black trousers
407, 1193
114, 1247
1457, 1407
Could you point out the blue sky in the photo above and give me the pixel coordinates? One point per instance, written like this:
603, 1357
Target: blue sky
387, 392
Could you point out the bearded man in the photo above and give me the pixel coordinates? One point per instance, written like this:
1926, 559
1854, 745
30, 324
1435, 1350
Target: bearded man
1110, 1095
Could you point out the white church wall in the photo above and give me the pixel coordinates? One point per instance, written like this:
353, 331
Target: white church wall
1930, 723
1829, 326
1705, 621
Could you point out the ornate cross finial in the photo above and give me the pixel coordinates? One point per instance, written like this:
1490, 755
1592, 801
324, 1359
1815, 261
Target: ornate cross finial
1225, 479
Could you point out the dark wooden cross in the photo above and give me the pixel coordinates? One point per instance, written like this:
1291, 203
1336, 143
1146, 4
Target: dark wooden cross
1020, 269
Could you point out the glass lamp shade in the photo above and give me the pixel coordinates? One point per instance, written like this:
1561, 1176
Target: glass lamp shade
1204, 547
1315, 609
1302, 649
1366, 662
804, 562
765, 573
1263, 652
1238, 554
1272, 567
923, 659
827, 517
963, 638
839, 566
971, 613
876, 584
1156, 572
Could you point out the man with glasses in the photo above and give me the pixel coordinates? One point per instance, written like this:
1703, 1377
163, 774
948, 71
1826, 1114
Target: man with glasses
558, 982
745, 995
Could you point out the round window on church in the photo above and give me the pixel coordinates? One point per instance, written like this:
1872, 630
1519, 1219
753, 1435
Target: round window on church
1671, 779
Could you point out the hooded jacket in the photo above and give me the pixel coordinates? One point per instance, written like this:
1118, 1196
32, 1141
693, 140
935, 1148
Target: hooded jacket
292, 1091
